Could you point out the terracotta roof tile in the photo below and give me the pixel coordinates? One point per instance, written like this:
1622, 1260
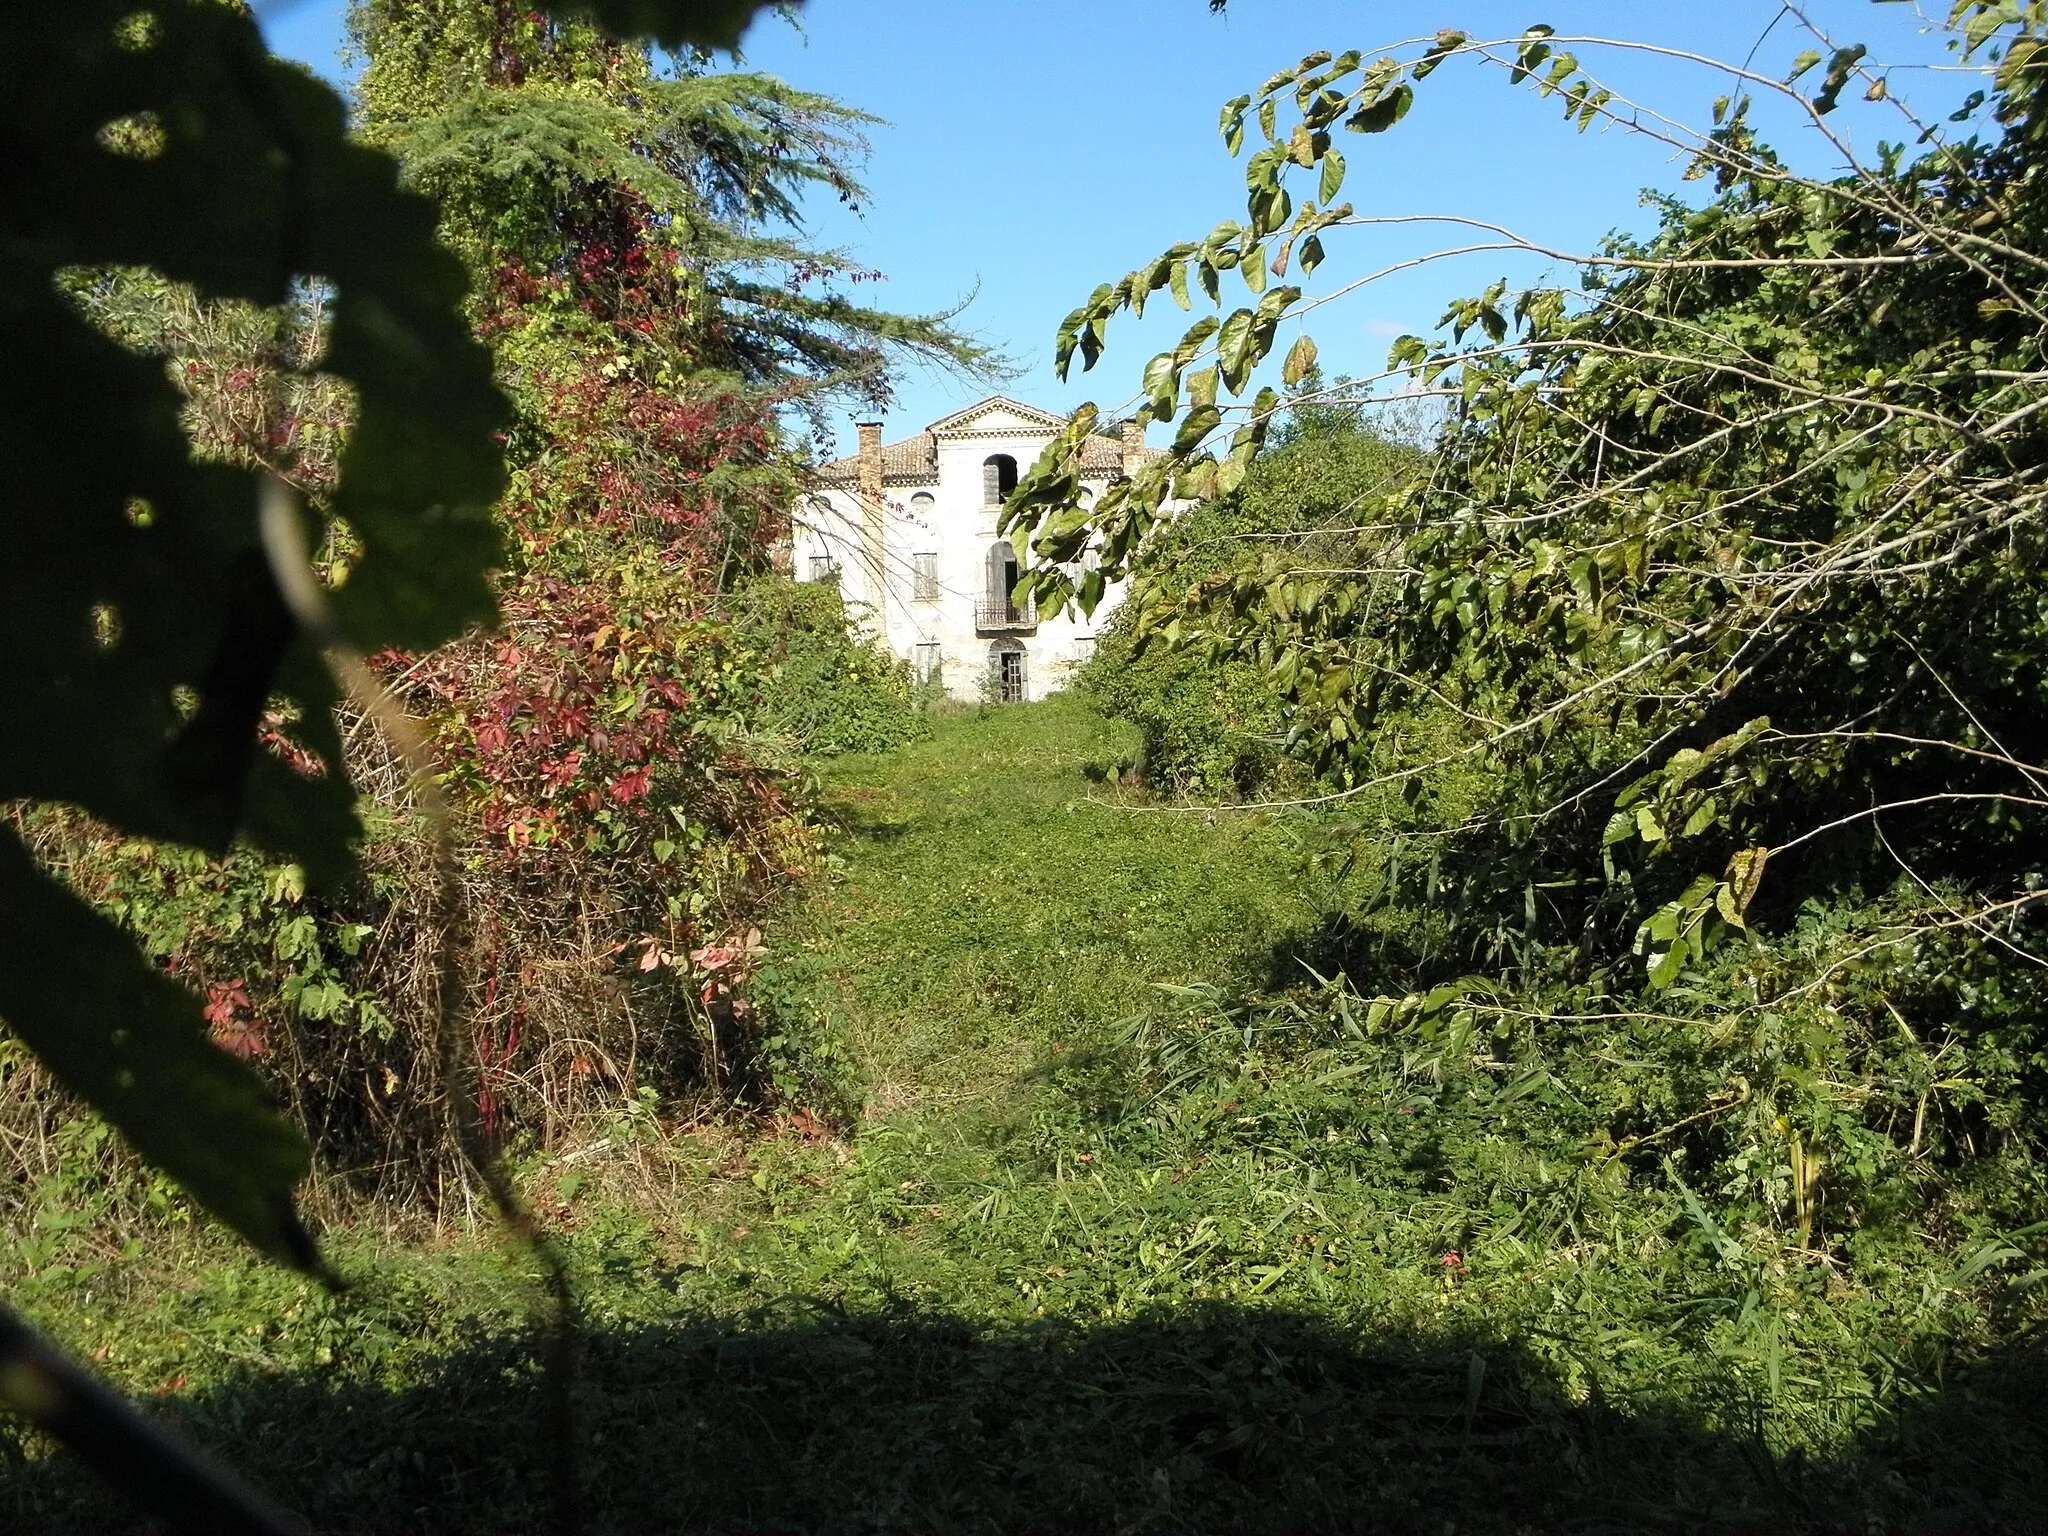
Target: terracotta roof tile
915, 460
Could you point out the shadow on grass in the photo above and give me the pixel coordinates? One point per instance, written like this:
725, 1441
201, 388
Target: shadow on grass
1212, 1420
871, 815
1338, 945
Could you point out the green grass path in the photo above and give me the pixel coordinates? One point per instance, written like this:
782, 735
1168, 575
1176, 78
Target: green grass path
999, 902
1101, 1253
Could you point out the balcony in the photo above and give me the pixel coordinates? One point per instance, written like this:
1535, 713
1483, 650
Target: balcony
1000, 616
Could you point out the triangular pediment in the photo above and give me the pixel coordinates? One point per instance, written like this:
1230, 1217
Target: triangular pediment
998, 416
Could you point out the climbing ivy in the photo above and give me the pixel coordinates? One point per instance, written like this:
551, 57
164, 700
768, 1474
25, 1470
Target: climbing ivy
146, 636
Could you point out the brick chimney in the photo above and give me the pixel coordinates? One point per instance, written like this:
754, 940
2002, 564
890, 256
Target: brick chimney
1134, 445
869, 478
873, 532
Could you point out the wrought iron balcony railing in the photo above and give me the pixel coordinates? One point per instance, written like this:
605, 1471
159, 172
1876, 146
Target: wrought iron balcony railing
998, 615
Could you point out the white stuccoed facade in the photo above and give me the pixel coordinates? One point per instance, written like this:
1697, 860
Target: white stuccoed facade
909, 528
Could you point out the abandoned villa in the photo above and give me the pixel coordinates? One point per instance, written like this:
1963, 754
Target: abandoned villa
909, 531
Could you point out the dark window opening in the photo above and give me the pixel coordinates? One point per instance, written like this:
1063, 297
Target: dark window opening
998, 479
998, 609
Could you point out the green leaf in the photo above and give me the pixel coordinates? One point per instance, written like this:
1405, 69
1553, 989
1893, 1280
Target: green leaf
1725, 905
1333, 178
1383, 111
1843, 62
1191, 344
1231, 123
1301, 361
133, 1044
1089, 596
1447, 42
1533, 52
672, 23
1704, 815
1201, 420
1068, 337
1253, 269
1276, 304
1233, 344
1162, 385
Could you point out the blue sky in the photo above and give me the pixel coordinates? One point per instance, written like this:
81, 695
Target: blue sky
1035, 148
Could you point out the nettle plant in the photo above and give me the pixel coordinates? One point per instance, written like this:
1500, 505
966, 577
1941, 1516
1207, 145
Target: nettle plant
1728, 560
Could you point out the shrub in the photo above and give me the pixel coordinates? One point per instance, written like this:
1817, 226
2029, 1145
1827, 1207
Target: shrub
1213, 724
822, 690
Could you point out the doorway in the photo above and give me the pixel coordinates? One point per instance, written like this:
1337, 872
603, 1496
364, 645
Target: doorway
1007, 677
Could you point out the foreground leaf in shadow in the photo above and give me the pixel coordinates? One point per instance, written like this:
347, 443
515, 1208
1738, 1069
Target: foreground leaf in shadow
133, 1043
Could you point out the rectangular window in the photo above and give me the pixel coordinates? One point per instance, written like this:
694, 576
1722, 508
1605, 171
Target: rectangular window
930, 664
823, 567
1084, 647
927, 569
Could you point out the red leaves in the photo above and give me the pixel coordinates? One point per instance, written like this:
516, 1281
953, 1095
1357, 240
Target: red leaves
631, 500
274, 733
231, 1023
629, 787
560, 738
560, 773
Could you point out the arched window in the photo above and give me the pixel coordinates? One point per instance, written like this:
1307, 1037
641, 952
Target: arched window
998, 479
921, 506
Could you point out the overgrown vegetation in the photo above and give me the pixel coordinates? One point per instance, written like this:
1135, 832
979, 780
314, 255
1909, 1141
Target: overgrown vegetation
1214, 725
1611, 1094
1222, 1253
623, 754
1721, 602
826, 694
